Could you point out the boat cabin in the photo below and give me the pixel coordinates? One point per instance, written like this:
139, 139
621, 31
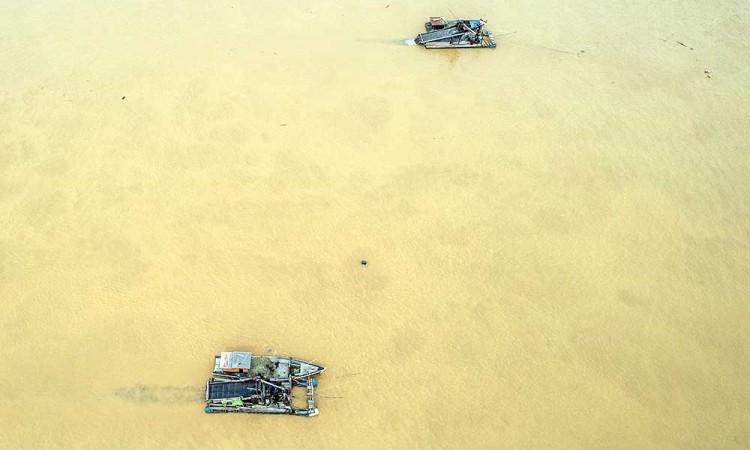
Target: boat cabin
233, 362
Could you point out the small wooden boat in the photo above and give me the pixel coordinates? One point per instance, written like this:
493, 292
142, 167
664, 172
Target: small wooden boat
456, 34
247, 383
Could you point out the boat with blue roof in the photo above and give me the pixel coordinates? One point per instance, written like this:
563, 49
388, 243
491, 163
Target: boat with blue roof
262, 384
466, 33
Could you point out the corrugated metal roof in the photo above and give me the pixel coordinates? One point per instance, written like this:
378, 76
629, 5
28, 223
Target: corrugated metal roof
236, 360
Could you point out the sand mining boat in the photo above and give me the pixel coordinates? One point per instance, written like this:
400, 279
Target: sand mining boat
247, 383
455, 34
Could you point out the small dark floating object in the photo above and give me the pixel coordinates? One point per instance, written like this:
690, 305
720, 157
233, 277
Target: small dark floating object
456, 34
123, 97
363, 262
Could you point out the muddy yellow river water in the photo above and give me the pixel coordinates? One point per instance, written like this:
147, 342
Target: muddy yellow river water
557, 230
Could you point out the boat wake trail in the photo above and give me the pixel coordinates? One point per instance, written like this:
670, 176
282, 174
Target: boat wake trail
409, 42
160, 394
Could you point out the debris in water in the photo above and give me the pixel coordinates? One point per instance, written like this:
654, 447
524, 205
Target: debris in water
363, 262
707, 73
